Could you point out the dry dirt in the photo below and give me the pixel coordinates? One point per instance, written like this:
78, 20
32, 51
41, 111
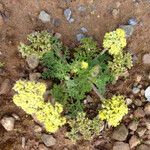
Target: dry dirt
20, 17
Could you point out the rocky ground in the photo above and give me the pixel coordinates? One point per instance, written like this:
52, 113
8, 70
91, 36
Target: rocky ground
71, 20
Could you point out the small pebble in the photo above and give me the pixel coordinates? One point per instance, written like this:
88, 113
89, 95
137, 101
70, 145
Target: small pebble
71, 20
80, 36
16, 116
67, 13
37, 129
138, 78
56, 22
44, 17
132, 21
115, 13
81, 8
147, 93
1, 21
42, 147
48, 140
135, 90
129, 29
134, 141
84, 30
5, 87
146, 59
32, 61
58, 35
138, 102
147, 109
8, 123
23, 141
118, 4
128, 101
34, 76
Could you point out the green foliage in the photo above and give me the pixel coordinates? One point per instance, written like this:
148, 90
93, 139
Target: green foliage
115, 41
77, 75
78, 87
87, 50
57, 67
120, 64
83, 128
113, 110
39, 44
29, 96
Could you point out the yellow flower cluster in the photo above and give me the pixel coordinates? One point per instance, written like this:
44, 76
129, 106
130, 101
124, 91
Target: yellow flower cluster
115, 41
113, 110
29, 97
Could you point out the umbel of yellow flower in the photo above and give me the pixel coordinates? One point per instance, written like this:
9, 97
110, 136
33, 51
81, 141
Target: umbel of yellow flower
29, 96
115, 41
113, 110
84, 65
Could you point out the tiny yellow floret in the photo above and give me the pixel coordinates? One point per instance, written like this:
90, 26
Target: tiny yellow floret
84, 65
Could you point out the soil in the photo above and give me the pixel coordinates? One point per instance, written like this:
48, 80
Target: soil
20, 17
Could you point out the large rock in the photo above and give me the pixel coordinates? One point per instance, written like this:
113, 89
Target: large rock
147, 109
8, 123
5, 87
48, 140
120, 133
134, 141
32, 61
44, 17
143, 147
121, 146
